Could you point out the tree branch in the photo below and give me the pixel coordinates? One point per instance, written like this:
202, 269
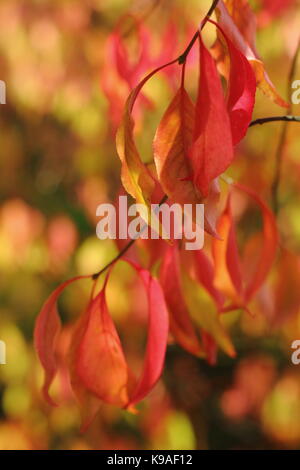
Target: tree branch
287, 118
182, 58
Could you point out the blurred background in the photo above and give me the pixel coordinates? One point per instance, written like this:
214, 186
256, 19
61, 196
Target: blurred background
64, 100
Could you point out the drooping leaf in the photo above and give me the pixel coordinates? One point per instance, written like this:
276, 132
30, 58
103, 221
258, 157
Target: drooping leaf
131, 70
204, 313
181, 325
100, 364
228, 277
136, 178
203, 271
241, 90
89, 404
46, 333
171, 145
212, 151
172, 141
226, 257
269, 247
98, 367
232, 17
158, 328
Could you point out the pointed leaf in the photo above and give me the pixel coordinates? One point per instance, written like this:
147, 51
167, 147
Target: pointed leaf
212, 149
158, 328
233, 23
46, 332
136, 178
270, 244
226, 257
171, 144
181, 325
100, 363
241, 90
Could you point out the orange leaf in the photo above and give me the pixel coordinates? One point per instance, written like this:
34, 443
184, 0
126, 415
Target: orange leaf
225, 253
136, 178
99, 362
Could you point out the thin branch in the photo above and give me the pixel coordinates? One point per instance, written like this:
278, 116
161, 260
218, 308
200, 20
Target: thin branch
182, 58
287, 118
126, 247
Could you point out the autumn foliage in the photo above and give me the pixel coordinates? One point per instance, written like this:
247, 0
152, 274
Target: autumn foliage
188, 294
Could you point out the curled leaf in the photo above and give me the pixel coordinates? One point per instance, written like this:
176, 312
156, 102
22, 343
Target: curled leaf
136, 178
228, 277
236, 20
46, 333
269, 247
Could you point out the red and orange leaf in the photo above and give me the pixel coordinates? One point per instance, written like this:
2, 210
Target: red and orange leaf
89, 404
269, 248
158, 329
232, 18
131, 71
241, 90
136, 178
210, 347
181, 325
204, 272
171, 145
100, 363
228, 277
172, 141
212, 150
46, 333
204, 313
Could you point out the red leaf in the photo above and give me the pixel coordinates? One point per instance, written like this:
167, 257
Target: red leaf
181, 325
212, 150
269, 248
158, 328
46, 332
211, 348
131, 71
238, 22
241, 92
204, 272
97, 362
228, 276
171, 145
